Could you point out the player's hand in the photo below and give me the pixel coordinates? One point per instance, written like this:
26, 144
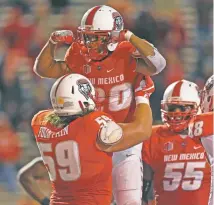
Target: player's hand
144, 87
118, 36
62, 36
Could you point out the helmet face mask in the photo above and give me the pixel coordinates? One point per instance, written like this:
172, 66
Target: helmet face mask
180, 104
177, 115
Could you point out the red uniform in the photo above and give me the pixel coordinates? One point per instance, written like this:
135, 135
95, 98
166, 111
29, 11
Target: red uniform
182, 174
202, 126
113, 77
79, 172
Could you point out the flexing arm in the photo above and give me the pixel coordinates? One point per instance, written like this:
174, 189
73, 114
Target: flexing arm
27, 177
45, 65
150, 61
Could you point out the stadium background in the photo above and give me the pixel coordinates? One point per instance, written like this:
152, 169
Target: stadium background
181, 29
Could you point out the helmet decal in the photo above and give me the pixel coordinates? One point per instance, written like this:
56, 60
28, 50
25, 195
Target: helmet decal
84, 88
118, 21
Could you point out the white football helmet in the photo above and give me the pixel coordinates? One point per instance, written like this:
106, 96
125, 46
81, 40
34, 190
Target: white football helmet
180, 104
72, 94
207, 96
97, 26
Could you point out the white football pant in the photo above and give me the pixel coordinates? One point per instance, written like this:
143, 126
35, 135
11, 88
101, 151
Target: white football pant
128, 176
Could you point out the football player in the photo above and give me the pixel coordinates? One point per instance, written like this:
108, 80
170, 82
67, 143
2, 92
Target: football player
74, 141
113, 59
208, 142
175, 162
207, 106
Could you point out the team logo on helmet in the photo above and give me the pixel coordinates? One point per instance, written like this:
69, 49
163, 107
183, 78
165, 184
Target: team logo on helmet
84, 88
209, 84
118, 21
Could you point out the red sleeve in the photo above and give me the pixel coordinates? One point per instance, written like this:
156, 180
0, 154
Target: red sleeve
126, 46
202, 125
38, 118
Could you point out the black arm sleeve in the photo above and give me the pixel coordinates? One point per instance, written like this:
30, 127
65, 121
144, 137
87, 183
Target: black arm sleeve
148, 191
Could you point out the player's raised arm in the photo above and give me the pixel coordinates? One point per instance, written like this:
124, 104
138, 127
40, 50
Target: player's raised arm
27, 176
45, 64
150, 61
133, 133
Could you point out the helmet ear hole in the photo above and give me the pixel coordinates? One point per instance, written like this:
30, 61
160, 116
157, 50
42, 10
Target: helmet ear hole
72, 91
86, 104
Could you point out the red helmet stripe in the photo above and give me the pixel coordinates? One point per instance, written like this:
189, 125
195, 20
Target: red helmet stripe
90, 17
177, 89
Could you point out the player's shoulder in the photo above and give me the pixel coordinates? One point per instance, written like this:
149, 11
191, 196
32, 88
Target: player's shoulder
160, 131
39, 118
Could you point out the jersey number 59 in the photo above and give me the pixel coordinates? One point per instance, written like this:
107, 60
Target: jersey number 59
66, 163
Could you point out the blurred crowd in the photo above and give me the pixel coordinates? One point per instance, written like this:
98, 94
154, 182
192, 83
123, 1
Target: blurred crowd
181, 30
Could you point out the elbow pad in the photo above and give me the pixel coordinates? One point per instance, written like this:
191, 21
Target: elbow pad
158, 61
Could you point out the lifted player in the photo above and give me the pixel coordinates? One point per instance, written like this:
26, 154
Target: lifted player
112, 58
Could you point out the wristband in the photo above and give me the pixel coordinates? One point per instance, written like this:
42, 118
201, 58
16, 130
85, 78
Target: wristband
128, 35
141, 99
45, 201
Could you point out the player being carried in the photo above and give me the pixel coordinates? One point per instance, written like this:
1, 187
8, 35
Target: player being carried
75, 143
172, 159
114, 59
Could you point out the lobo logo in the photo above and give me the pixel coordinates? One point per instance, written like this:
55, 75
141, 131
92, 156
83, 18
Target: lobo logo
118, 21
209, 84
84, 88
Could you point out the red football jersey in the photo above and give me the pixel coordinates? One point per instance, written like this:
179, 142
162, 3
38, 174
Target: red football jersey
79, 172
202, 125
114, 78
182, 174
